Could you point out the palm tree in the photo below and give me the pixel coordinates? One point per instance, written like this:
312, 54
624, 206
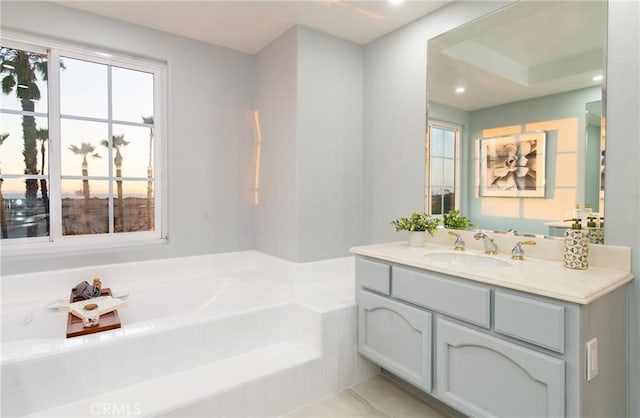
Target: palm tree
149, 120
3, 212
85, 149
21, 68
42, 135
117, 142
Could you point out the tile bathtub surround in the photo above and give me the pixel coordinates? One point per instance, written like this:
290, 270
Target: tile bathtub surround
337, 368
271, 359
342, 366
264, 382
253, 265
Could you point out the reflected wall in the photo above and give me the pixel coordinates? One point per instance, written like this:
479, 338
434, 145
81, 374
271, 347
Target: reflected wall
562, 117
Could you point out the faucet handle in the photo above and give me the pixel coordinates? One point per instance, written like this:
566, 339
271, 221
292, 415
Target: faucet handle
459, 244
517, 253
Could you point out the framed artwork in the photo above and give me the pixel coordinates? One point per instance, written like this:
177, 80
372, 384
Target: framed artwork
512, 166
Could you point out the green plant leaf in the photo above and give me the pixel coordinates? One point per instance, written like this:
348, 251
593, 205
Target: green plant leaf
417, 222
455, 220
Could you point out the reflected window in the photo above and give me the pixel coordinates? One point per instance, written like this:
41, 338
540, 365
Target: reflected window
97, 175
441, 158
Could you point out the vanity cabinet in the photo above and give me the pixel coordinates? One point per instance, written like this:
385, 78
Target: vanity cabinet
492, 351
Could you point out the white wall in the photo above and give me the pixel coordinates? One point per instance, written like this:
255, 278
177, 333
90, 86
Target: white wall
622, 182
394, 114
309, 94
210, 91
276, 214
395, 68
330, 77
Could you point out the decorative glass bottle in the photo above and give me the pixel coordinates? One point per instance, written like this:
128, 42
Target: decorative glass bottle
576, 247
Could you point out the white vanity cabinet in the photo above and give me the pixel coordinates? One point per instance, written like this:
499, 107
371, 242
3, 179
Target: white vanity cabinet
491, 351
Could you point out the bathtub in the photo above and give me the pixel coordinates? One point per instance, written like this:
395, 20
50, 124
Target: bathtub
236, 334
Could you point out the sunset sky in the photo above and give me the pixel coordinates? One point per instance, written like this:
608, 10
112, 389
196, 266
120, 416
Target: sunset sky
84, 92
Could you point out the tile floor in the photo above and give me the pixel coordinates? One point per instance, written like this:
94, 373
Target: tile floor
377, 397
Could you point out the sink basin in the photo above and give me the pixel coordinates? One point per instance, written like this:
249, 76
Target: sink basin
465, 260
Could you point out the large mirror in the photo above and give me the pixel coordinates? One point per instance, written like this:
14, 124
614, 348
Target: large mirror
515, 135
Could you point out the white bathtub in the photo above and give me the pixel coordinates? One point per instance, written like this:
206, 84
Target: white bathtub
240, 333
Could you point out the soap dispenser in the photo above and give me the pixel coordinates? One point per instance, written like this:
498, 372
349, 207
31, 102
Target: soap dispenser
577, 212
586, 214
596, 234
576, 247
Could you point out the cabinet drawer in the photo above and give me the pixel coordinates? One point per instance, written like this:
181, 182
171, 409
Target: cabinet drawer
443, 294
530, 320
373, 275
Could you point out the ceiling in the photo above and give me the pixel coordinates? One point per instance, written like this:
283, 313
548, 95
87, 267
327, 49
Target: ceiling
249, 26
526, 50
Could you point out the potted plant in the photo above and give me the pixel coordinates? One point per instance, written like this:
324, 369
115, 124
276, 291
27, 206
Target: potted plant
416, 225
455, 220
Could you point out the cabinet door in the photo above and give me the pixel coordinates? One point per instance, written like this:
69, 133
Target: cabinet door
484, 376
395, 336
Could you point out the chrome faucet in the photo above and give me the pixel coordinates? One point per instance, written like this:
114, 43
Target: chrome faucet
459, 244
517, 253
490, 246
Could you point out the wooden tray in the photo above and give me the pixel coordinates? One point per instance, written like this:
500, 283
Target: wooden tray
110, 320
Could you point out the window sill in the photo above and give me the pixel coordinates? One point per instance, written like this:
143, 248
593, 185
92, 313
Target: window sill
79, 245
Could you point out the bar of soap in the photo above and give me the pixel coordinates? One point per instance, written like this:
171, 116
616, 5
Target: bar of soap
105, 304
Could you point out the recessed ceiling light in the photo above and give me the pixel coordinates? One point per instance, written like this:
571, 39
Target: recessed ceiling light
597, 77
459, 89
394, 2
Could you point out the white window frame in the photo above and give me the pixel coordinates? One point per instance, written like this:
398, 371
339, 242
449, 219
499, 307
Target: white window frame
458, 134
56, 242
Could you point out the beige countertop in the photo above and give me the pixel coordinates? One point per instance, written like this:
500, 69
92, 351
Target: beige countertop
533, 275
559, 224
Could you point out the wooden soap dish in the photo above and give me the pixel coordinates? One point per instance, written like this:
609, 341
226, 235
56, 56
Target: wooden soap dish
110, 320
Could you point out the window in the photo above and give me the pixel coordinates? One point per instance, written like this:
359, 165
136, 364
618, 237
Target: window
80, 143
442, 168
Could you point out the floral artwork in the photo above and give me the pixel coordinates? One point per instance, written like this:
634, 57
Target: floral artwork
512, 166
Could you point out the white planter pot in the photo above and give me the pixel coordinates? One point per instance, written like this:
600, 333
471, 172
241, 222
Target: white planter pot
417, 238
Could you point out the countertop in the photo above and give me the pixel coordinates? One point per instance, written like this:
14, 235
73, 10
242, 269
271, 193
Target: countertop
559, 224
532, 275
